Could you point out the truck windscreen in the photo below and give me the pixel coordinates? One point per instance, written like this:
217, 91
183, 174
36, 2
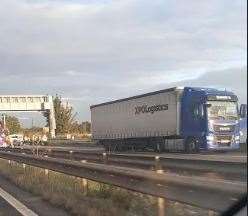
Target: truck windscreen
222, 110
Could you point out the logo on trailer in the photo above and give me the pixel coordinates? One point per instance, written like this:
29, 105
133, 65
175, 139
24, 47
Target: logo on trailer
150, 109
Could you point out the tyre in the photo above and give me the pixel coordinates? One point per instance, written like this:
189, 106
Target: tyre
157, 147
192, 145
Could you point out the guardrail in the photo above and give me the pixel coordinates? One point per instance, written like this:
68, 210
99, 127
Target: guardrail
206, 193
232, 167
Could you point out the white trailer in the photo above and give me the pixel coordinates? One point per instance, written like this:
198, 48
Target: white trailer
134, 119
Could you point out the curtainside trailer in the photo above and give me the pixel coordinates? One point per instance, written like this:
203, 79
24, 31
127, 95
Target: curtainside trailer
179, 119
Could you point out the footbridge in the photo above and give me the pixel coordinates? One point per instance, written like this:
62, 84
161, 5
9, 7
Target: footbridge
30, 103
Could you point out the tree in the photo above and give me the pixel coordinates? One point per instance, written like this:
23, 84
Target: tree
75, 127
64, 116
13, 124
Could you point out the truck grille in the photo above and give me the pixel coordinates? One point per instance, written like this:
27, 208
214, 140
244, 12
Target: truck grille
223, 129
224, 140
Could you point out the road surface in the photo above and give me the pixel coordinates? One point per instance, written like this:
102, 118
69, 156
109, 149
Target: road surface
6, 209
25, 202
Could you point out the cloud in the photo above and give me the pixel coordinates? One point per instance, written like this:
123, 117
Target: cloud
103, 49
71, 73
232, 79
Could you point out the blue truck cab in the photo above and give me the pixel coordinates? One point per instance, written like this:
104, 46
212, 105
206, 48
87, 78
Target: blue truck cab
209, 119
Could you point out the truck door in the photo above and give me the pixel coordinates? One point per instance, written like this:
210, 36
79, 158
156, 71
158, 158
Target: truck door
198, 119
194, 124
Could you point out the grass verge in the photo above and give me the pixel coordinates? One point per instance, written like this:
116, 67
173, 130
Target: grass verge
83, 197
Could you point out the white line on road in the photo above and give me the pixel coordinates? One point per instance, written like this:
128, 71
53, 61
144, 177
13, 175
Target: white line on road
16, 204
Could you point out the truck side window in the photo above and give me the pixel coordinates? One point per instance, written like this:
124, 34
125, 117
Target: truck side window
243, 111
195, 111
198, 111
201, 110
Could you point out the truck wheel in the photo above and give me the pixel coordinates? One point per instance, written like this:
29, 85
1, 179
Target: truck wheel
158, 147
192, 145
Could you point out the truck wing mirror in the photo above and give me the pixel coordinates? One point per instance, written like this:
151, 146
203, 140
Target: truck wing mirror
243, 111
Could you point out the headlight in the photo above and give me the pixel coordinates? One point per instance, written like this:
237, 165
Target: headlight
210, 138
241, 133
237, 138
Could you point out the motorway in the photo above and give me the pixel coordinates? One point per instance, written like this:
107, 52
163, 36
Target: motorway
15, 202
181, 177
7, 209
231, 156
208, 193
220, 155
230, 165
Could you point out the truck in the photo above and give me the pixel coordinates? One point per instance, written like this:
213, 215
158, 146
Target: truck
187, 119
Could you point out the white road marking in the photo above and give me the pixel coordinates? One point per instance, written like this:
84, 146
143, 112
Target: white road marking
16, 204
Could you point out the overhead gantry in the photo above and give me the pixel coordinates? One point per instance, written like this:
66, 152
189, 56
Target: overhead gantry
30, 103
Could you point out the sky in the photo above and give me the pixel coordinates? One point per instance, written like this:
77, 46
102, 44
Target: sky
92, 51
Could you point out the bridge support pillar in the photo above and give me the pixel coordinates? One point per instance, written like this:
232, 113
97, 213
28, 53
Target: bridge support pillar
52, 121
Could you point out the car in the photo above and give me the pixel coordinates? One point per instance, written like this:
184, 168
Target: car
16, 139
3, 144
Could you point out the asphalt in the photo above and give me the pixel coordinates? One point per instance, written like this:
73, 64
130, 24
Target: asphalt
6, 209
232, 156
239, 158
198, 164
66, 148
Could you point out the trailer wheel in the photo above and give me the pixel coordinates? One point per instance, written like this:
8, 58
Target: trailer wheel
158, 147
192, 145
